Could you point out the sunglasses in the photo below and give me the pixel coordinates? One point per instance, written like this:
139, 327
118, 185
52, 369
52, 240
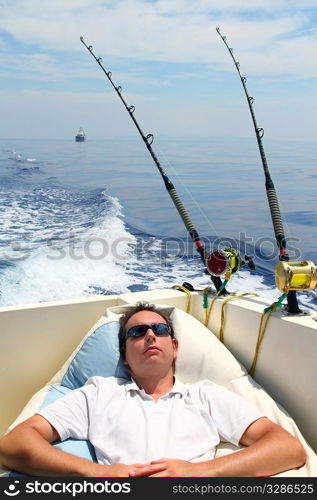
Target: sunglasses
140, 330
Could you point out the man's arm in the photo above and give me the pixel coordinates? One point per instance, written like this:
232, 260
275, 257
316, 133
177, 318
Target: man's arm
27, 449
269, 450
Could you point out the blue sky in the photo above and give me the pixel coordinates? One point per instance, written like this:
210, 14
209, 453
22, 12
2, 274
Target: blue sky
169, 60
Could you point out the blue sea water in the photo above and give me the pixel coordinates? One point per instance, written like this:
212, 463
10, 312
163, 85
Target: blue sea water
95, 217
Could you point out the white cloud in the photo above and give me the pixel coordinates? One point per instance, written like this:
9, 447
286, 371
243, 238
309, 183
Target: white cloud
234, 5
271, 53
275, 44
179, 31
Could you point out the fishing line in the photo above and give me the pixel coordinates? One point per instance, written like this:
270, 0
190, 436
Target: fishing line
292, 304
148, 140
203, 214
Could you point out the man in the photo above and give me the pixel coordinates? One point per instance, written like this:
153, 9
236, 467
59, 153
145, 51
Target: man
154, 425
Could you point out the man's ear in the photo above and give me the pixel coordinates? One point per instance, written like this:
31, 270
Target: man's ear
175, 346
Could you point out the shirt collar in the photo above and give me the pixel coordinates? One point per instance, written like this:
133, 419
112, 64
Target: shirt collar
178, 387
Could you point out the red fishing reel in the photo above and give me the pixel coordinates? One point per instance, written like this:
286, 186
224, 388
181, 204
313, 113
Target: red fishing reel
226, 262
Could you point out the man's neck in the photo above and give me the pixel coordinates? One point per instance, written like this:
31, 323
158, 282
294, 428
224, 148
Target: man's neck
155, 387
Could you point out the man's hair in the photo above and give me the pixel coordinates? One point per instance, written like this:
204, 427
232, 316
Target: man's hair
139, 306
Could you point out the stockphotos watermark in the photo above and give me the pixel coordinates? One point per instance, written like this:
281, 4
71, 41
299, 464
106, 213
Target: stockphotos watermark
163, 250
165, 488
72, 488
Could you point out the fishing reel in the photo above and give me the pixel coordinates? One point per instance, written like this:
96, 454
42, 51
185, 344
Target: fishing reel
227, 262
296, 276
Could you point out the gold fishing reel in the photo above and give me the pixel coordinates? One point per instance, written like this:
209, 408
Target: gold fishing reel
295, 276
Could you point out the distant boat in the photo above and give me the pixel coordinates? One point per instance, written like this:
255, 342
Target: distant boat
80, 136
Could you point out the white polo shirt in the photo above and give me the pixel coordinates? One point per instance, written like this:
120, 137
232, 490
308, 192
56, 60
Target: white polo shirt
124, 424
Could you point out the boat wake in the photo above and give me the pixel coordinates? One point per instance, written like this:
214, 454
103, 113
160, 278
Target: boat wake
59, 243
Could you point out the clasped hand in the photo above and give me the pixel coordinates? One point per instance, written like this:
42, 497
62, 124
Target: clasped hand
164, 467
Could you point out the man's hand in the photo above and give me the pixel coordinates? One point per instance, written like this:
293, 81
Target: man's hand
166, 467
116, 470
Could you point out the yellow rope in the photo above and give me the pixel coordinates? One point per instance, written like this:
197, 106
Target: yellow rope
263, 325
260, 338
223, 311
189, 297
208, 312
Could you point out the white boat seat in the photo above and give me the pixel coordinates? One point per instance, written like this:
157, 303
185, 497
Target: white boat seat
201, 356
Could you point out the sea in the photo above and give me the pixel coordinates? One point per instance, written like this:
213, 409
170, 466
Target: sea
80, 219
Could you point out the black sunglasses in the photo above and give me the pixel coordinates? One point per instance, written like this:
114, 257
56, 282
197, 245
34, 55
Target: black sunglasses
140, 330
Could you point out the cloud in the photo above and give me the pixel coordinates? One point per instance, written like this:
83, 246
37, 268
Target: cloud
178, 31
169, 44
290, 56
242, 6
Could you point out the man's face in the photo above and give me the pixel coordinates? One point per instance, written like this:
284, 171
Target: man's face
156, 352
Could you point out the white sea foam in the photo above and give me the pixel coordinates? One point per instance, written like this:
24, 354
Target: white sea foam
72, 269
101, 257
42, 278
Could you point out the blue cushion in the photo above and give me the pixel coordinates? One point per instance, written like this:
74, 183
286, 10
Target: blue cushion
99, 355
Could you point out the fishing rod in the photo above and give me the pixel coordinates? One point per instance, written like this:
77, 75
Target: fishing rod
148, 140
292, 304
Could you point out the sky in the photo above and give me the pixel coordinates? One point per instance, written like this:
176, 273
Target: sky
170, 61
